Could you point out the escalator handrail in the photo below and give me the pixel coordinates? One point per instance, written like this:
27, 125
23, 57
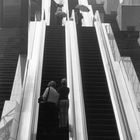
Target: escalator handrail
112, 83
46, 6
29, 56
132, 75
31, 36
80, 119
21, 100
71, 113
37, 85
123, 62
133, 97
29, 99
111, 39
132, 122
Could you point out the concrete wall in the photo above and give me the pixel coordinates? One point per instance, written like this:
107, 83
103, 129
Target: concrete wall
129, 16
16, 15
100, 1
136, 2
127, 2
110, 6
131, 2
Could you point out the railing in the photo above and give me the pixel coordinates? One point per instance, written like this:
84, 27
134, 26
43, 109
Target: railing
128, 120
29, 98
72, 124
32, 32
112, 83
132, 77
129, 68
131, 93
80, 128
31, 35
17, 88
37, 85
113, 44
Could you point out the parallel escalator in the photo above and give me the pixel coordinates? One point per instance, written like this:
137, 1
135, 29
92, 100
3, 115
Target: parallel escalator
127, 41
9, 52
101, 123
54, 68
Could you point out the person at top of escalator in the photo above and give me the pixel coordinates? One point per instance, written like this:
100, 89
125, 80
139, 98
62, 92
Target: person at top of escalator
78, 17
59, 15
63, 103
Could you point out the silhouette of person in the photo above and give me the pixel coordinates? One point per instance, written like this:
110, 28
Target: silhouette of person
63, 103
50, 94
50, 99
58, 14
78, 17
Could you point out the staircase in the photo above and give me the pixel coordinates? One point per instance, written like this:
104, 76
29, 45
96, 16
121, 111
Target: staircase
9, 52
54, 68
101, 123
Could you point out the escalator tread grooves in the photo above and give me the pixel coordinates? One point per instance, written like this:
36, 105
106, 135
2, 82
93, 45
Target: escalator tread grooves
54, 68
94, 83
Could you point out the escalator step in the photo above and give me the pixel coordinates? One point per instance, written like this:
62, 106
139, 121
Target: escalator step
54, 68
101, 123
9, 52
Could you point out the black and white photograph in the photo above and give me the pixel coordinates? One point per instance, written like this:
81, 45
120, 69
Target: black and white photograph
69, 69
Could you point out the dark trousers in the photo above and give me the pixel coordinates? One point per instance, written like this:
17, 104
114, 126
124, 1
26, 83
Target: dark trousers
51, 121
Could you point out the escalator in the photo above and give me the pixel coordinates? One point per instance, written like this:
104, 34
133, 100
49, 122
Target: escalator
54, 68
101, 123
9, 52
126, 40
